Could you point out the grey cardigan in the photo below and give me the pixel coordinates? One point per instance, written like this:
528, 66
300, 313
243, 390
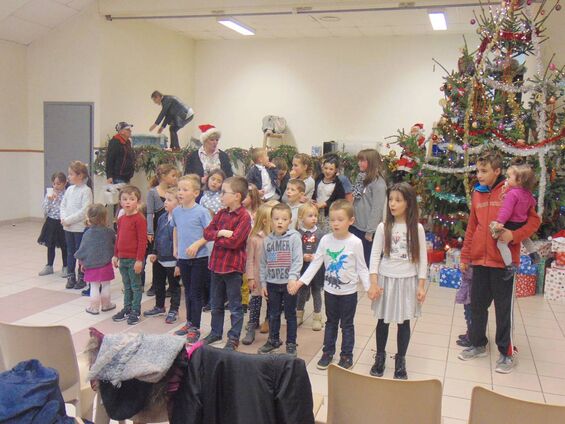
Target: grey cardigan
369, 207
154, 205
96, 248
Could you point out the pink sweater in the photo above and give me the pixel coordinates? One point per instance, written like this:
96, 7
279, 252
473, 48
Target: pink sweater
516, 203
254, 253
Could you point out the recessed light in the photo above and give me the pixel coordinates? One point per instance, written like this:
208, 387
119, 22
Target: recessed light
330, 18
236, 26
437, 19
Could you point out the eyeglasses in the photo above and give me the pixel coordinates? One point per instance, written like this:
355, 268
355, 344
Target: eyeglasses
226, 192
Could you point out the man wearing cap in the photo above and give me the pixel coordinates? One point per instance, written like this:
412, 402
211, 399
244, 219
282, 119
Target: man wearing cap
120, 158
174, 113
208, 157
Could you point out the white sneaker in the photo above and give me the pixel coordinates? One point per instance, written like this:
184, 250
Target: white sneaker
505, 365
48, 269
472, 353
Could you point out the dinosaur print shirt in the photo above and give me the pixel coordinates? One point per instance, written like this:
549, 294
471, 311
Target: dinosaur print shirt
345, 265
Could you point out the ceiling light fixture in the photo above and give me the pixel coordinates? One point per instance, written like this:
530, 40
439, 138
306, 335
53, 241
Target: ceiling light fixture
236, 26
437, 19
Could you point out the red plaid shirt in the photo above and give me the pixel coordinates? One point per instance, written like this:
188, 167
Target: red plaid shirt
229, 254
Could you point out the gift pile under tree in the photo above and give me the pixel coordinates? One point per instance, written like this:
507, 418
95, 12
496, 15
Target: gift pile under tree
502, 96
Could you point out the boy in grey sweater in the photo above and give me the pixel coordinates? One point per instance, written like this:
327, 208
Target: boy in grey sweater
280, 264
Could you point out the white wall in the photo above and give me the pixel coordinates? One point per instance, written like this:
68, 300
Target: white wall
13, 131
351, 89
116, 65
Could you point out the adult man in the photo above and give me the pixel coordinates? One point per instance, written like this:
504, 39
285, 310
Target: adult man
174, 113
120, 158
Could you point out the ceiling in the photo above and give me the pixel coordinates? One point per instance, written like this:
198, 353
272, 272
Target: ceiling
23, 21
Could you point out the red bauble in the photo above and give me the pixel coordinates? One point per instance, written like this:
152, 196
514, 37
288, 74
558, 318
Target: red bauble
558, 7
473, 21
438, 189
434, 137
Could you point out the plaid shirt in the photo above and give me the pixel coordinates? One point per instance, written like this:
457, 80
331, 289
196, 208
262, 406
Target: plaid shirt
229, 254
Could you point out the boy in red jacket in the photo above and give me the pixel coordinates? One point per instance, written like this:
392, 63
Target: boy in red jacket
129, 253
491, 281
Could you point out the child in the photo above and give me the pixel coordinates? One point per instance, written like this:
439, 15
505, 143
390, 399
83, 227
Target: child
294, 193
129, 253
517, 200
189, 247
52, 234
369, 198
164, 262
73, 216
347, 187
327, 189
263, 174
252, 201
399, 267
280, 268
95, 257
310, 235
165, 177
302, 169
261, 228
342, 254
211, 199
490, 278
282, 174
229, 230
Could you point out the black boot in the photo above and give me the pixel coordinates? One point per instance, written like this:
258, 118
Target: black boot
71, 281
378, 368
400, 368
81, 284
250, 335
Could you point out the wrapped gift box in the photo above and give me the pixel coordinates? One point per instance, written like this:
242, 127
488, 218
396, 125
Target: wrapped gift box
435, 240
526, 267
554, 284
526, 285
558, 244
453, 258
436, 256
433, 272
450, 277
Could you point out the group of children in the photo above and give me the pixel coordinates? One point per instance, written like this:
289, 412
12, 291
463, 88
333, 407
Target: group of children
235, 239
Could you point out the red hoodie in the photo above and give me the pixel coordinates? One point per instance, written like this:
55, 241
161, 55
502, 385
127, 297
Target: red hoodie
479, 248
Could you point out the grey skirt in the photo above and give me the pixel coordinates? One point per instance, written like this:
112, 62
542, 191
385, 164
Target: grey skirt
398, 301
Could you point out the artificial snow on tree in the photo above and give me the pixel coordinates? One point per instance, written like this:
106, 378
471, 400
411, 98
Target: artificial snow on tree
493, 101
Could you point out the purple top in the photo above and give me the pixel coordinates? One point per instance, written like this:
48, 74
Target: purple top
515, 205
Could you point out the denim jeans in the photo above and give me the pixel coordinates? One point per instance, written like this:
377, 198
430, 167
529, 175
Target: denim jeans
222, 286
132, 285
340, 310
278, 293
193, 273
73, 243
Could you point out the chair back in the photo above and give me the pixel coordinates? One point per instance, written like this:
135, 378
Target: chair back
52, 346
360, 399
488, 407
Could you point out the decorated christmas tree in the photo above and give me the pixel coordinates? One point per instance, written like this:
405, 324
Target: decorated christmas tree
502, 96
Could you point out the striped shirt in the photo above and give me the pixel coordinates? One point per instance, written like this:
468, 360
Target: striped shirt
229, 254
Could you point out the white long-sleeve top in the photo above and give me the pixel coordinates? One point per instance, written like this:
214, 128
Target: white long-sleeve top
73, 207
398, 264
345, 265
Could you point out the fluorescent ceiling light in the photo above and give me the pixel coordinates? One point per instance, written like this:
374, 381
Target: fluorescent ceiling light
236, 26
438, 21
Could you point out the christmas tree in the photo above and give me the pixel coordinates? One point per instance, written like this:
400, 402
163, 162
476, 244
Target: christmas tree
493, 101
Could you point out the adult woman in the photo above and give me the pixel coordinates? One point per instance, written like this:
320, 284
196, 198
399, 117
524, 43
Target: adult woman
208, 157
174, 113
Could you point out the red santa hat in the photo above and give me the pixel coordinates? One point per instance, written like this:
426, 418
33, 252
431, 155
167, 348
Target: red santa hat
207, 131
419, 125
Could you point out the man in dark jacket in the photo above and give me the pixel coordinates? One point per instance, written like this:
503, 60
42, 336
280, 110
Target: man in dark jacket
120, 158
174, 113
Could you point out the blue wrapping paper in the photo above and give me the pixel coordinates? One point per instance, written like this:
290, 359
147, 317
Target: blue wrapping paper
450, 277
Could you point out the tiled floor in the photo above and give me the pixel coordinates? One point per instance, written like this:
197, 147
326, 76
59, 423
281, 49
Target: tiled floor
26, 298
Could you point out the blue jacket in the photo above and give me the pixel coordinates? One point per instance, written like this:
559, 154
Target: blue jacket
254, 177
164, 239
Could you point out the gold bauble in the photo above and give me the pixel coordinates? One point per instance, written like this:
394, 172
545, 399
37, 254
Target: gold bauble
392, 153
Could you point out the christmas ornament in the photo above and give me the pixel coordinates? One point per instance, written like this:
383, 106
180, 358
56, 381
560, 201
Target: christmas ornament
520, 142
558, 7
450, 146
465, 147
497, 108
552, 67
475, 124
392, 153
434, 137
551, 100
473, 21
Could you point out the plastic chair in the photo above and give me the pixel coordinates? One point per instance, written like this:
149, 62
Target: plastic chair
359, 399
490, 407
53, 347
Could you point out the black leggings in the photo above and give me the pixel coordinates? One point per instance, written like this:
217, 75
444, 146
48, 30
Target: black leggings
402, 337
51, 255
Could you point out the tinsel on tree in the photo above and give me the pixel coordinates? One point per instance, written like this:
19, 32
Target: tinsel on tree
492, 101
